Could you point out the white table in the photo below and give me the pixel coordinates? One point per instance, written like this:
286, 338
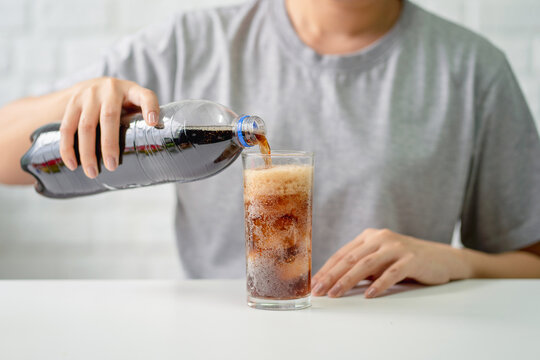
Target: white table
209, 319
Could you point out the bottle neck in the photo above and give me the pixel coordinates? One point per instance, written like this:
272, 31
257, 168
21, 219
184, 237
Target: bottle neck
248, 130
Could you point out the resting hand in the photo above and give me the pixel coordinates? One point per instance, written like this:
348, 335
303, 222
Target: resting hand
388, 258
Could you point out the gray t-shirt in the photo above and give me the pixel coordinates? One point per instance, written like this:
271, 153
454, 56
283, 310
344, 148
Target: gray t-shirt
424, 128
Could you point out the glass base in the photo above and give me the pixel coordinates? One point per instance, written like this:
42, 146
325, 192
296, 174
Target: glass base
269, 304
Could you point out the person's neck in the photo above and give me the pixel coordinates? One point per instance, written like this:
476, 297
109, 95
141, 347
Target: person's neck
342, 26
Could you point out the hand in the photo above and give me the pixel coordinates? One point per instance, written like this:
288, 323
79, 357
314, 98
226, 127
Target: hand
388, 258
101, 101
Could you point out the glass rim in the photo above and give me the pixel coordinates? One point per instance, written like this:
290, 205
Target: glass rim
279, 153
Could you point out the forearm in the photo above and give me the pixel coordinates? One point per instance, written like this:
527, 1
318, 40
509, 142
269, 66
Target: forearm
18, 120
515, 264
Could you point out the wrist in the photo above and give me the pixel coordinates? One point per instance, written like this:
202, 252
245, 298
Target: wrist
463, 266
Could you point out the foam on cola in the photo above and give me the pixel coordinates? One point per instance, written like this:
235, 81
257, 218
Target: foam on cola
277, 202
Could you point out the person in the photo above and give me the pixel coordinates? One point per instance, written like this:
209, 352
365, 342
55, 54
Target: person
417, 124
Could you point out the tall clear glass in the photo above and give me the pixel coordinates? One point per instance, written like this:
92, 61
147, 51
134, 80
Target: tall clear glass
278, 211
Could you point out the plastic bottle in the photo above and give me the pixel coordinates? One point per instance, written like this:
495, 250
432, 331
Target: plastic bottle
196, 139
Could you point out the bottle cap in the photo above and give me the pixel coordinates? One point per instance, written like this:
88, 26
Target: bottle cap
248, 127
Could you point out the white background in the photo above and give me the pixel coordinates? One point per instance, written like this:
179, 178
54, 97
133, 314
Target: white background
129, 234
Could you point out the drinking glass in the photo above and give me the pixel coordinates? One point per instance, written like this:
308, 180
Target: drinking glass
278, 210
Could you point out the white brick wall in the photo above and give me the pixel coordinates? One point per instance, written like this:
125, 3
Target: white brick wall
5, 45
510, 15
75, 17
129, 233
536, 57
14, 15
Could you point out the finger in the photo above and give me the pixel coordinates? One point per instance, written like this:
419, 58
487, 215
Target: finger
329, 278
109, 122
148, 102
87, 135
334, 259
369, 265
394, 274
68, 127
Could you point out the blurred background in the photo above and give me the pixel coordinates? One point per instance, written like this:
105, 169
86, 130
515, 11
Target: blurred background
129, 234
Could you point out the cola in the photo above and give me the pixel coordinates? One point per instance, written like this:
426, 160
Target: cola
264, 148
278, 216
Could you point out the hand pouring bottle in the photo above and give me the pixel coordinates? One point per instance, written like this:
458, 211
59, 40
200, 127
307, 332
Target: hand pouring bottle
195, 139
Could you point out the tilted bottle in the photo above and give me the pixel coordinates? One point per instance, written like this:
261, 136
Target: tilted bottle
196, 139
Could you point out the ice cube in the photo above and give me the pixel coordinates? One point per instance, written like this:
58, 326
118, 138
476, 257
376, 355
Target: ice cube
294, 269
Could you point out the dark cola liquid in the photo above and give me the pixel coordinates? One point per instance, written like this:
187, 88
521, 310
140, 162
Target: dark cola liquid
277, 209
148, 156
264, 148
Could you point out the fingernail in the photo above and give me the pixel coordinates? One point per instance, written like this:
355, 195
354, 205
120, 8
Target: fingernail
71, 165
371, 292
335, 291
317, 289
152, 118
111, 163
92, 172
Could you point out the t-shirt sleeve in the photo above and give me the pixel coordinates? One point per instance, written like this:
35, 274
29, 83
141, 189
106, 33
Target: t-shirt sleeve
501, 210
150, 58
